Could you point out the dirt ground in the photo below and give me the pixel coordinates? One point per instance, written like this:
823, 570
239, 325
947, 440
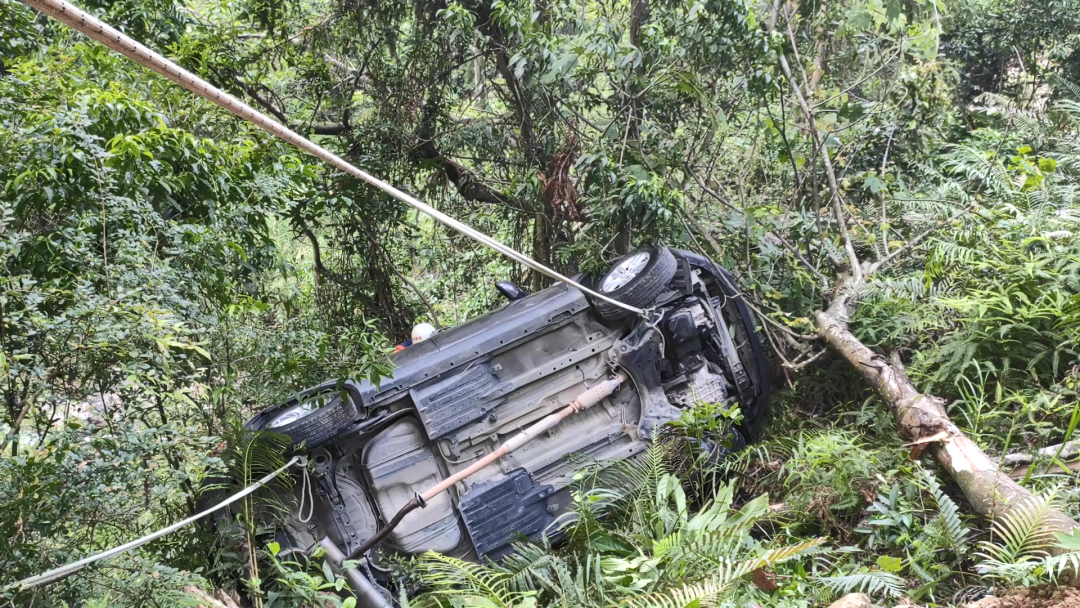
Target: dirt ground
1062, 597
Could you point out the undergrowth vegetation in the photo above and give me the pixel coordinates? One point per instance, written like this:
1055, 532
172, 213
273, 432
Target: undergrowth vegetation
634, 536
166, 271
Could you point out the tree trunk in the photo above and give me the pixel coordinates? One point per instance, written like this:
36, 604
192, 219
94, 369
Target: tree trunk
639, 16
923, 422
219, 599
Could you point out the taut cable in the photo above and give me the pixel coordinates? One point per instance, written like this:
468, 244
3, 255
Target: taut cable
85, 23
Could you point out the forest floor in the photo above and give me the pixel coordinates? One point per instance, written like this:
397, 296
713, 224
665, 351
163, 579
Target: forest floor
1034, 597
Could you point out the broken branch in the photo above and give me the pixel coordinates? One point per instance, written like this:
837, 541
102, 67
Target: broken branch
921, 417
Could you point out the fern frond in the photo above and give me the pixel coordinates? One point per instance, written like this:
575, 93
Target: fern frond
972, 164
1010, 572
1064, 563
957, 530
569, 590
249, 457
703, 593
871, 583
1023, 531
528, 564
782, 554
626, 482
950, 253
707, 548
453, 577
1071, 107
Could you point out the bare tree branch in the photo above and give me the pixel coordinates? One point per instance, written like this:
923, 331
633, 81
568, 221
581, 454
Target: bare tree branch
777, 236
799, 364
918, 238
24, 409
702, 230
278, 113
467, 183
419, 294
830, 174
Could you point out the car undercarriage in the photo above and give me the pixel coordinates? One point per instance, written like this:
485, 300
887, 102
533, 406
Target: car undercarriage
457, 397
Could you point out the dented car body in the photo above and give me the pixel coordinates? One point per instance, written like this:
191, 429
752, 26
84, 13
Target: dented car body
458, 396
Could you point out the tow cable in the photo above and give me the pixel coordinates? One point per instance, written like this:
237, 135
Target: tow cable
94, 28
584, 401
58, 573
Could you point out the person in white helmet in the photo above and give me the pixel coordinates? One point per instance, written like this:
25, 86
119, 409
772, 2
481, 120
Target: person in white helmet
420, 332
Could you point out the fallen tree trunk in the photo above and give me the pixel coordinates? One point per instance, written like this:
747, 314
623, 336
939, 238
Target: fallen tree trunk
923, 422
1023, 470
1063, 451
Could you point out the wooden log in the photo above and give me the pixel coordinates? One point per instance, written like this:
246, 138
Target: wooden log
1063, 451
922, 420
1043, 469
204, 600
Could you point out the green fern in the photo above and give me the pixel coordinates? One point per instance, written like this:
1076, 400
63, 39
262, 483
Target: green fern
527, 566
1050, 567
710, 546
782, 554
1024, 555
955, 527
872, 583
704, 593
620, 488
456, 578
1066, 563
974, 165
723, 578
1023, 531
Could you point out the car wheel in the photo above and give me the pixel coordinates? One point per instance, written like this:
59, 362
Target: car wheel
636, 279
311, 421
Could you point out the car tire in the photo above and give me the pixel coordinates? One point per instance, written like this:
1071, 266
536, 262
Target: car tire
638, 290
314, 428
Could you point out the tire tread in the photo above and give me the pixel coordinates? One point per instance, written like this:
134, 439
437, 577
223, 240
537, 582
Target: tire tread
322, 425
642, 290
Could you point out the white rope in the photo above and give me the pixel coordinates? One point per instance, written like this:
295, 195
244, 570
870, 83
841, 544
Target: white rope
62, 571
69, 14
306, 494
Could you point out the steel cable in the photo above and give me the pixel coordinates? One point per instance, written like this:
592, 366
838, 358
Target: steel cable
58, 573
94, 28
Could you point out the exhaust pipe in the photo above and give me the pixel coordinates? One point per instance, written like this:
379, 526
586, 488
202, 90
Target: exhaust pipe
367, 596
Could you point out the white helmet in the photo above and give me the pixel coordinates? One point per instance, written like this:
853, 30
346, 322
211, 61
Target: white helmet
422, 331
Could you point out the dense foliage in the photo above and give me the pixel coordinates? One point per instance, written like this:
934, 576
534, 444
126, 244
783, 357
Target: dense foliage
167, 270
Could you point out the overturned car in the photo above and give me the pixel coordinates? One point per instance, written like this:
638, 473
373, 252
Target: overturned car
458, 399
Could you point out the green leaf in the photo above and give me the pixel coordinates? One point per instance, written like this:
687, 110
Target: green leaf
328, 572
1070, 541
873, 184
889, 563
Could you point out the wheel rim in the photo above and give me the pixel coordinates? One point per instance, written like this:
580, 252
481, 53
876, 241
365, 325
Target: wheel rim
294, 413
625, 271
